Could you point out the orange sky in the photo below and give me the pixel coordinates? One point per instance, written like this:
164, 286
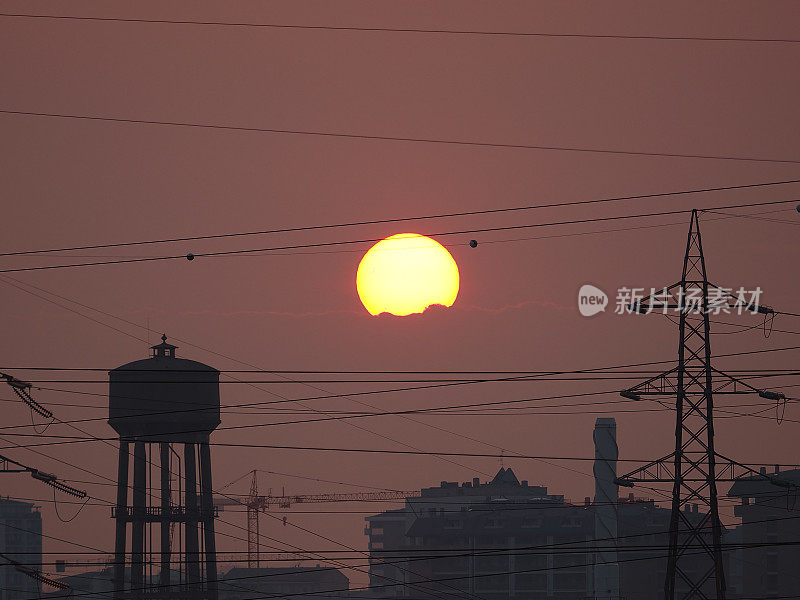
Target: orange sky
67, 182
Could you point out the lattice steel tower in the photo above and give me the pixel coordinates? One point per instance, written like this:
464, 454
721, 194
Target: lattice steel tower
695, 564
157, 404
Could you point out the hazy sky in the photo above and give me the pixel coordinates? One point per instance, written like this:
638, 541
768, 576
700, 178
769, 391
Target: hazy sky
76, 182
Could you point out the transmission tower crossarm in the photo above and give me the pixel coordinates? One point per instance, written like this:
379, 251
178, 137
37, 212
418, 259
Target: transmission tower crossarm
21, 389
47, 478
8, 465
729, 466
736, 382
666, 384
658, 385
34, 574
728, 470
654, 471
645, 304
14, 382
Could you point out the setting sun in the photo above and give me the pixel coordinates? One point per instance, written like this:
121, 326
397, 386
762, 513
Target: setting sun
405, 274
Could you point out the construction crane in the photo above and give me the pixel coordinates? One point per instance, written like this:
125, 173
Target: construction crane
256, 503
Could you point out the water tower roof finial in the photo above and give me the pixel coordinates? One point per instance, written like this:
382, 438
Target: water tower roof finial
163, 349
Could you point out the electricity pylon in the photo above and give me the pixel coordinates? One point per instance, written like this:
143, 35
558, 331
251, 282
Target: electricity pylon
694, 565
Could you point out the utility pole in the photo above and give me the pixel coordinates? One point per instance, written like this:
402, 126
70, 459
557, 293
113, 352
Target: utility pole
694, 565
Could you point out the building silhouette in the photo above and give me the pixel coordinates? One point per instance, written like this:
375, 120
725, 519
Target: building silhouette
21, 541
242, 583
769, 536
507, 539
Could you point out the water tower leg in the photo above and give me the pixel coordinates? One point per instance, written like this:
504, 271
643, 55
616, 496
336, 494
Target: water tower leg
121, 522
208, 519
139, 501
192, 544
166, 499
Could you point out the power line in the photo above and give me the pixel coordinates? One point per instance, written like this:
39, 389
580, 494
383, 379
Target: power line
417, 501
346, 422
647, 534
388, 138
467, 382
460, 409
756, 218
371, 451
429, 386
587, 548
8, 465
454, 245
432, 411
517, 379
610, 370
566, 545
221, 520
335, 415
412, 30
555, 545
194, 255
403, 219
283, 399
293, 525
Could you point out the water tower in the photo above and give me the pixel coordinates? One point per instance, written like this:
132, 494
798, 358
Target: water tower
159, 404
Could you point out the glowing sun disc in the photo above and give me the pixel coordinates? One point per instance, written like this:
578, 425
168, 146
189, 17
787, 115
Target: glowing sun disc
405, 274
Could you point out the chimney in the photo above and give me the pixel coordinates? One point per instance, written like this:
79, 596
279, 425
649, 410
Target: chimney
606, 453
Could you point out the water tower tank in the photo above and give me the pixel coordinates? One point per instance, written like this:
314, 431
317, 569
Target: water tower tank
163, 397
